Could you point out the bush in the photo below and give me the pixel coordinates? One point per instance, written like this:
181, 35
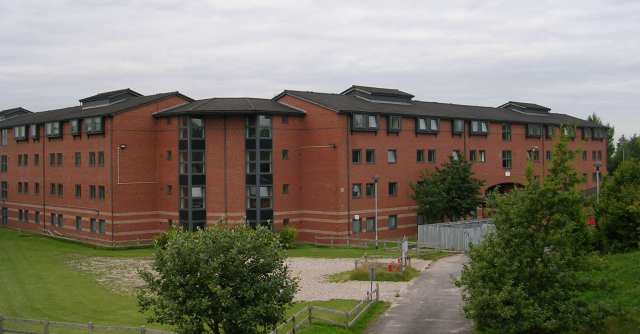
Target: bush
287, 237
222, 279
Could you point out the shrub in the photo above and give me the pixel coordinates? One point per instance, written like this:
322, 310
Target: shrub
287, 237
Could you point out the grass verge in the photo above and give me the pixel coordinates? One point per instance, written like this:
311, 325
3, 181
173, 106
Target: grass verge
381, 275
312, 251
377, 309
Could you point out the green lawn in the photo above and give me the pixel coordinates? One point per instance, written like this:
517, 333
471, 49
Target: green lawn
359, 327
622, 281
304, 250
382, 275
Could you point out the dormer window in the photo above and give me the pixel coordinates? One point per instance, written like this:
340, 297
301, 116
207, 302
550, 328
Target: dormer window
427, 125
364, 122
458, 127
394, 124
534, 130
75, 127
52, 130
569, 132
94, 125
479, 128
20, 132
586, 133
34, 131
599, 133
550, 131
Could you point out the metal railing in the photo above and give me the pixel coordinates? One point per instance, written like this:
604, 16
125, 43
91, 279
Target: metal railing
455, 236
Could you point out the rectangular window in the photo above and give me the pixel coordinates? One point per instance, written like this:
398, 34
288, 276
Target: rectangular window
419, 155
285, 154
534, 130
20, 132
4, 188
392, 223
482, 156
169, 155
285, 189
60, 220
473, 155
370, 189
92, 159
102, 226
599, 133
169, 189
4, 163
456, 155
59, 158
363, 122
264, 124
36, 159
550, 155
356, 190
60, 190
19, 187
356, 157
52, 130
94, 125
371, 156
427, 125
599, 155
52, 219
75, 127
52, 189
36, 188
371, 224
78, 191
101, 159
506, 159
4, 135
52, 159
586, 133
92, 192
393, 189
458, 126
392, 156
36, 217
285, 119
479, 128
355, 226
93, 224
533, 155
78, 223
569, 132
594, 156
393, 124
549, 131
26, 187
252, 158
77, 158
431, 156
585, 156
34, 130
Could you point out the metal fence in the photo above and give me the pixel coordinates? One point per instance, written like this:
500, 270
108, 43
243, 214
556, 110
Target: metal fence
455, 236
10, 325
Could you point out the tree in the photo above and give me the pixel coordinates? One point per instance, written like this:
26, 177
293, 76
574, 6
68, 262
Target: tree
528, 275
626, 149
222, 279
610, 133
618, 212
448, 193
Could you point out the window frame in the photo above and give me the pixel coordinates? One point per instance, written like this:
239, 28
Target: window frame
366, 126
533, 126
355, 186
507, 161
454, 130
428, 122
480, 131
390, 121
53, 129
94, 125
395, 156
75, 126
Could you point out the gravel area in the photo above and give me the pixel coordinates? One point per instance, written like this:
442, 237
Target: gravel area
121, 276
314, 285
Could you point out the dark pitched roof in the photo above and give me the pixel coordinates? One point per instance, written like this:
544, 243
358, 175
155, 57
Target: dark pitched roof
13, 112
111, 94
526, 105
346, 103
233, 105
378, 91
77, 111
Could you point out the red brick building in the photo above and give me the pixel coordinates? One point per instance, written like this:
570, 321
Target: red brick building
121, 167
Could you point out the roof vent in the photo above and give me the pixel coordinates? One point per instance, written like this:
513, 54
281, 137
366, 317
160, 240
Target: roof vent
379, 95
526, 108
107, 98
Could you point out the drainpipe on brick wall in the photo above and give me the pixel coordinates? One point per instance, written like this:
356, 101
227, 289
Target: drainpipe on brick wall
111, 122
43, 163
226, 194
348, 188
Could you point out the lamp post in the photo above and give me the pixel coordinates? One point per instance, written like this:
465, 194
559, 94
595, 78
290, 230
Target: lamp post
375, 193
597, 164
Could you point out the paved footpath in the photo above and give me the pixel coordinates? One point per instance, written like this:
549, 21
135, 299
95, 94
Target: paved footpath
432, 304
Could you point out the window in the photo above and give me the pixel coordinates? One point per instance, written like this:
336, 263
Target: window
36, 159
34, 131
371, 156
169, 155
285, 189
506, 159
371, 224
19, 187
394, 124
77, 157
52, 129
102, 226
356, 190
285, 222
599, 155
569, 132
431, 156
473, 155
356, 226
101, 159
392, 222
52, 189
427, 125
585, 156
599, 133
20, 132
586, 133
265, 162
4, 163
26, 187
20, 215
550, 131
36, 188
393, 189
356, 157
363, 122
550, 155
251, 162
4, 135
458, 127
53, 219
92, 224
534, 130
36, 217
169, 189
92, 192
4, 190
75, 127
479, 128
370, 189
506, 132
92, 159
52, 159
59, 159
456, 155
60, 190
60, 220
285, 154
482, 156
78, 223
420, 156
285, 119
594, 156
78, 191
533, 155
94, 125
392, 156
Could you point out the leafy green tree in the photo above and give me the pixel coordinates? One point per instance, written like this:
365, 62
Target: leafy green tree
222, 279
610, 144
626, 149
618, 212
451, 192
527, 276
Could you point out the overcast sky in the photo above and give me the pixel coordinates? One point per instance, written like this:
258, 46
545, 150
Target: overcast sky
576, 57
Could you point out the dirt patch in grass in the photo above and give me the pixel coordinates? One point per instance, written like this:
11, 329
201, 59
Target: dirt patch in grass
119, 275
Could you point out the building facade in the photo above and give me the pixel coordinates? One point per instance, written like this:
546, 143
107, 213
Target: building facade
121, 167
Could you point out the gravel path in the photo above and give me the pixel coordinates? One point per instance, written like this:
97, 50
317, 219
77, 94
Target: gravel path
314, 284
